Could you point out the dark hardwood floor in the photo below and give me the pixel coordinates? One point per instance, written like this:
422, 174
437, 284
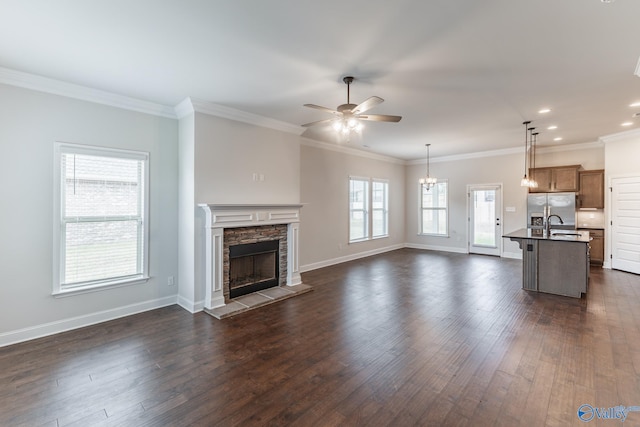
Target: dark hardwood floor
405, 338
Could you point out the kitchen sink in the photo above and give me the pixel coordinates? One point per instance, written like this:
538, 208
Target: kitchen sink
558, 233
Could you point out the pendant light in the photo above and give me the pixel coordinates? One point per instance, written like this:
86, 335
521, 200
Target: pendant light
524, 182
428, 181
533, 183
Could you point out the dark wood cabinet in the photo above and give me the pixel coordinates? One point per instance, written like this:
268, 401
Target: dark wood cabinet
543, 177
591, 189
596, 245
555, 179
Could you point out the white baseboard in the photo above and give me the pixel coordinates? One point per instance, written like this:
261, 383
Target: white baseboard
38, 331
436, 248
340, 260
190, 306
334, 261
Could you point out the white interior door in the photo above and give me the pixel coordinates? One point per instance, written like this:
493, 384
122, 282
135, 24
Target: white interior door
625, 224
485, 229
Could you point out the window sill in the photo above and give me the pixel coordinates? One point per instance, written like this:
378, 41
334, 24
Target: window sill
99, 287
433, 235
359, 240
368, 239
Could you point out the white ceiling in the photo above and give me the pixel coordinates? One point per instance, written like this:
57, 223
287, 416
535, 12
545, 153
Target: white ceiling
464, 74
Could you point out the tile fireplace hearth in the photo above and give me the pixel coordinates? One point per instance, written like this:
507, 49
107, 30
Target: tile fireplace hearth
270, 274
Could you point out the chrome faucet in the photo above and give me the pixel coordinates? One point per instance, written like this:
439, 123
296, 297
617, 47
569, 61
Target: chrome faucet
548, 223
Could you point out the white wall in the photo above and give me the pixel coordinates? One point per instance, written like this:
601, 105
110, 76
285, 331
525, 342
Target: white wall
207, 159
324, 178
496, 169
622, 152
506, 170
186, 213
590, 156
218, 159
30, 123
228, 153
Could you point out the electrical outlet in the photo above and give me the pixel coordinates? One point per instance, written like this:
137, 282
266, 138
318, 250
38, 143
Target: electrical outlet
171, 281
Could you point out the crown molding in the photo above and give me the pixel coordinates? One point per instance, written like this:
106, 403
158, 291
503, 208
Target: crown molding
190, 105
569, 147
508, 152
348, 150
467, 156
184, 108
70, 90
620, 136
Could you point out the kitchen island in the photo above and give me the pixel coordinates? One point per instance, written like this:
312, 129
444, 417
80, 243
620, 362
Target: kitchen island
556, 262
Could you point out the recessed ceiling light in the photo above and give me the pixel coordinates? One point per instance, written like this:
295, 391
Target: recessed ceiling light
552, 127
626, 124
607, 1
544, 110
557, 139
635, 104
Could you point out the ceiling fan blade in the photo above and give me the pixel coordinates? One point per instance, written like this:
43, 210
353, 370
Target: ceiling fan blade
325, 109
319, 122
380, 118
367, 104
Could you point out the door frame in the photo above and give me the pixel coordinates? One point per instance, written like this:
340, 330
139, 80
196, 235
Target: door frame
499, 190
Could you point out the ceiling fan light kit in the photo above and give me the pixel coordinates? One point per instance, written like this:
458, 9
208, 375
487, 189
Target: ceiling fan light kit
349, 116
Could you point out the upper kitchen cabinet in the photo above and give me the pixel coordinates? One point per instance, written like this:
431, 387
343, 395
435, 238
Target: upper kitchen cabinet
591, 189
555, 179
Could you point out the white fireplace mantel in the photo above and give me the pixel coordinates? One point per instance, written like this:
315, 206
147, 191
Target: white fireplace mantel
221, 216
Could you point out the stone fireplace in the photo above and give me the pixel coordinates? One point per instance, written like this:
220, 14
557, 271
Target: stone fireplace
255, 258
249, 248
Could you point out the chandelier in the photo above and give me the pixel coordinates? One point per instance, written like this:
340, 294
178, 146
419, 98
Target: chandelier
428, 181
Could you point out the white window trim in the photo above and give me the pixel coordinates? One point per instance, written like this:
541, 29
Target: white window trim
366, 210
386, 210
64, 147
369, 209
421, 212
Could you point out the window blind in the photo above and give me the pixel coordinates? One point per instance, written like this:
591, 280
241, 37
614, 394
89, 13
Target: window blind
102, 228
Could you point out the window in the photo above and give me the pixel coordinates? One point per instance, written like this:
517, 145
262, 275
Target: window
368, 196
358, 209
101, 217
434, 209
379, 209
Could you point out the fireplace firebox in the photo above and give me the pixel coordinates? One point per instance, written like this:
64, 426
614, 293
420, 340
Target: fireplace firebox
253, 267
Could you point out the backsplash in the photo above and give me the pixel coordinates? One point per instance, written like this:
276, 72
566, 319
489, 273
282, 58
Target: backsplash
594, 218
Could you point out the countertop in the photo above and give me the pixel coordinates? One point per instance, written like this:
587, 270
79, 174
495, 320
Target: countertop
556, 235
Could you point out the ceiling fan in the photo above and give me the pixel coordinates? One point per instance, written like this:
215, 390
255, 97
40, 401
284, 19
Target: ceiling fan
348, 115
